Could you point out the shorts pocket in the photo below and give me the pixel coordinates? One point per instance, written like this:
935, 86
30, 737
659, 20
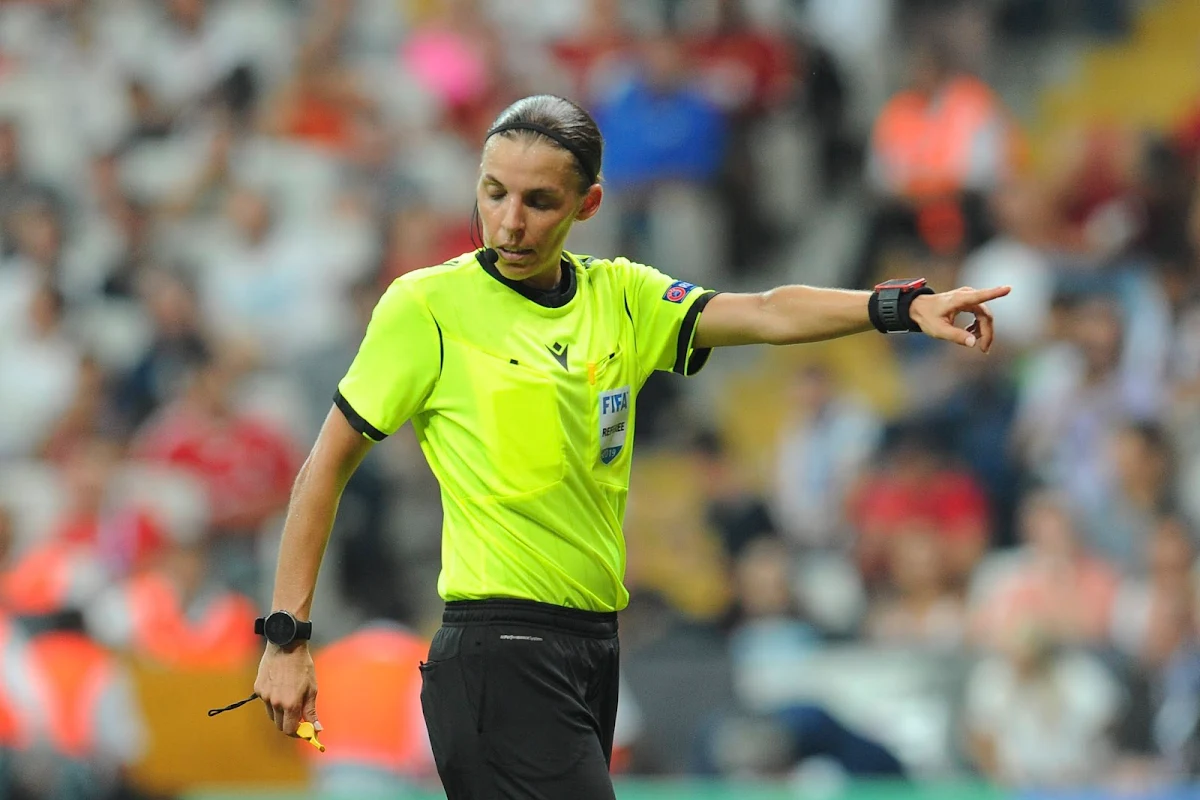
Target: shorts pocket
451, 687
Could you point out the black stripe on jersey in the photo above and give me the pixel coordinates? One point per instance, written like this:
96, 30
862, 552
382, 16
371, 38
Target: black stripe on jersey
355, 419
441, 347
699, 357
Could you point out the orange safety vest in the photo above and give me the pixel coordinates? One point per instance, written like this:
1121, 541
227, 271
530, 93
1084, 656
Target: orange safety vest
223, 639
369, 700
924, 145
71, 673
41, 581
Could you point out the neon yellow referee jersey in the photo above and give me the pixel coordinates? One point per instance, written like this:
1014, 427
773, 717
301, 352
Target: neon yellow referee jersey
524, 403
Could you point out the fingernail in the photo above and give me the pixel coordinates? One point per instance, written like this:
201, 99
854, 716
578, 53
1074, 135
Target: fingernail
970, 341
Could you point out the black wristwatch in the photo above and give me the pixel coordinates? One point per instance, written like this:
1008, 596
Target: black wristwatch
889, 305
281, 628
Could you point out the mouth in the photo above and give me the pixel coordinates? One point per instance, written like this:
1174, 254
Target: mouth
515, 255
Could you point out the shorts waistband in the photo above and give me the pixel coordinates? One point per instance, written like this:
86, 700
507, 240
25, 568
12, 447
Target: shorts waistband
593, 624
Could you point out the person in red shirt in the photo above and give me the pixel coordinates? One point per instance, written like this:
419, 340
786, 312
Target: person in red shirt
600, 52
918, 487
245, 463
125, 535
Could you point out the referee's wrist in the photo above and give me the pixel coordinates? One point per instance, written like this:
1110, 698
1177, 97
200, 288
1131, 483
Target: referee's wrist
889, 305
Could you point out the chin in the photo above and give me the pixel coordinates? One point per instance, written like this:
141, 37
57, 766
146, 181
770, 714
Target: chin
515, 272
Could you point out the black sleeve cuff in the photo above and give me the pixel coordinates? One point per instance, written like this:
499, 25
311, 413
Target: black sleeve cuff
684, 365
355, 419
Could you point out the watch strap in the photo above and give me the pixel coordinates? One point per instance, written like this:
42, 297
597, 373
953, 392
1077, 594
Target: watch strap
303, 628
888, 306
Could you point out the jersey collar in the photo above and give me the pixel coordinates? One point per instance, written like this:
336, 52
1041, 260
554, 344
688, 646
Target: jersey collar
557, 297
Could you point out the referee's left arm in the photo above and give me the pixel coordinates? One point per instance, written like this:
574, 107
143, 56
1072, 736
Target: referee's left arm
798, 314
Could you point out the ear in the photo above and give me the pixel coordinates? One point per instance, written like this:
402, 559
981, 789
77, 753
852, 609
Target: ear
591, 202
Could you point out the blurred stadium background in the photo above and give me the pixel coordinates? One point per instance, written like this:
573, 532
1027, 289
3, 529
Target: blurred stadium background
875, 568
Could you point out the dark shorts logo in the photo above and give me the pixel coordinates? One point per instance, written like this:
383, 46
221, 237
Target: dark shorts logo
677, 291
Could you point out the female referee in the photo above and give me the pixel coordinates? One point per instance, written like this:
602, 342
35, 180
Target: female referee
519, 366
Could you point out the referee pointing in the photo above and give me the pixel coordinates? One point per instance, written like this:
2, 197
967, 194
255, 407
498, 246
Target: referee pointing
519, 366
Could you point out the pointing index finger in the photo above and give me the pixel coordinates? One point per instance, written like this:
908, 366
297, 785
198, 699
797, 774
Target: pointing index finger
977, 296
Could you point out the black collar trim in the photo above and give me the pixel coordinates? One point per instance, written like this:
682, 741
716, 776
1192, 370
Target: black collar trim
557, 297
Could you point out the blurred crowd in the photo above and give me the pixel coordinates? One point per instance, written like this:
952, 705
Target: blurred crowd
200, 202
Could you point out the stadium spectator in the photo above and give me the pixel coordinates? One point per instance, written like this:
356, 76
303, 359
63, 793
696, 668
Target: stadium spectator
660, 132
1148, 608
918, 607
89, 724
767, 624
124, 535
18, 188
915, 484
936, 149
735, 512
1038, 715
1056, 584
174, 614
597, 53
828, 441
40, 372
378, 747
1137, 494
319, 105
750, 72
176, 344
1019, 254
266, 286
245, 463
1076, 390
658, 126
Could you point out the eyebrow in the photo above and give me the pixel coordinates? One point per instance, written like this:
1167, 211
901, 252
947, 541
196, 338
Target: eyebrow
550, 190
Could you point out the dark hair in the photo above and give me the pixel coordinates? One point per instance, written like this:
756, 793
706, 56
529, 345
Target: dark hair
564, 124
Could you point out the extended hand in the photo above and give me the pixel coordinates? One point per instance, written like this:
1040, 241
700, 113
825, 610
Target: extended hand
935, 314
287, 685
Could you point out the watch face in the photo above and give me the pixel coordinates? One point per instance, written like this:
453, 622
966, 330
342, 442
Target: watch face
280, 628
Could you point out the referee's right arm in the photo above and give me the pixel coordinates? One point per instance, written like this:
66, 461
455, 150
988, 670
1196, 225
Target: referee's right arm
286, 681
377, 394
335, 456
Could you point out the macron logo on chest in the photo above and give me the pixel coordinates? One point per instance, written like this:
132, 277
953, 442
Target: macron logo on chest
559, 351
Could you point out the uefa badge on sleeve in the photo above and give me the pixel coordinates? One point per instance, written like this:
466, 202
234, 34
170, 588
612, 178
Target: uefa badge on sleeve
614, 420
677, 291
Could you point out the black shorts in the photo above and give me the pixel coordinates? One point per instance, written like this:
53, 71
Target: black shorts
520, 699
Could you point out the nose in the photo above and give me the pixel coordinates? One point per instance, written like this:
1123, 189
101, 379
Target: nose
512, 221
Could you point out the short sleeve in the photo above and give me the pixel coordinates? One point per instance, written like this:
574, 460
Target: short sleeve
396, 366
664, 312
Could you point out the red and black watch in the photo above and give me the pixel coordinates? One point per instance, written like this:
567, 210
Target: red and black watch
889, 304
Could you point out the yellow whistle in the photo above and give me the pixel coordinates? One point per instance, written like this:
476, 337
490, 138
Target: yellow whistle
308, 733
